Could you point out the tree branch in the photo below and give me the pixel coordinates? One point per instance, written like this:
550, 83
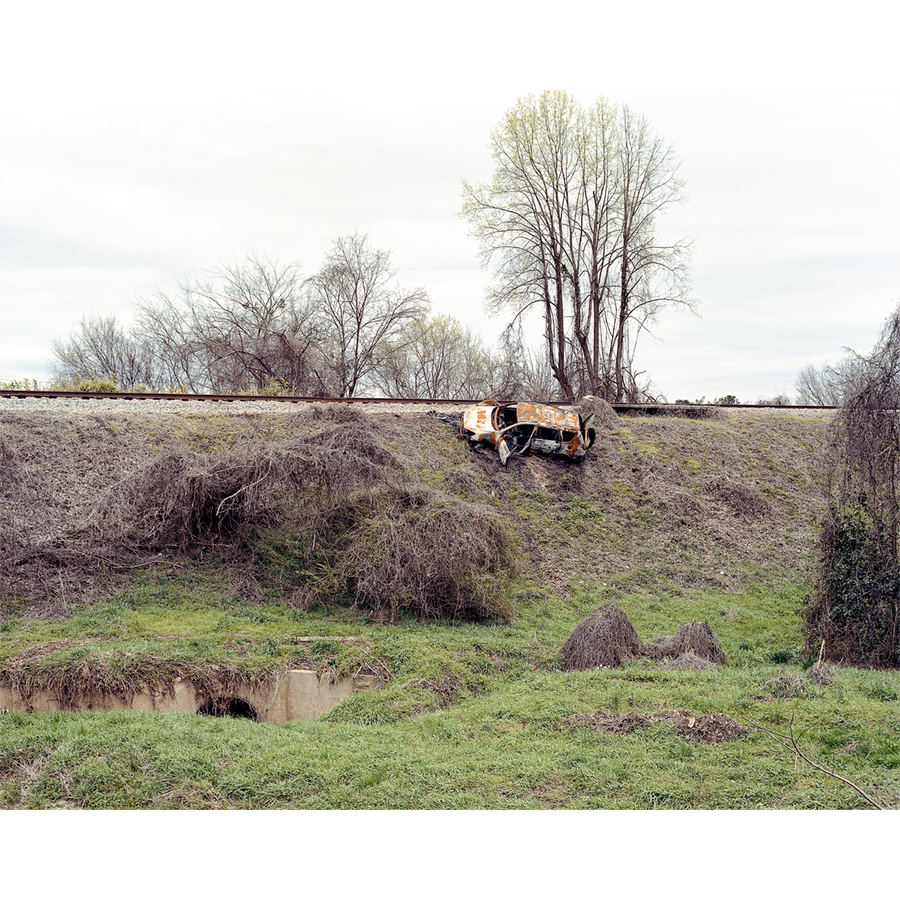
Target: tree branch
789, 742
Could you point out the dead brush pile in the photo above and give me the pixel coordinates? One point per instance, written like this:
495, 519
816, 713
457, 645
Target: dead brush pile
186, 500
343, 483
423, 551
607, 639
713, 728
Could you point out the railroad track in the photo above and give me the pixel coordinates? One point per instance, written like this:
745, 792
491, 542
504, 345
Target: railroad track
647, 408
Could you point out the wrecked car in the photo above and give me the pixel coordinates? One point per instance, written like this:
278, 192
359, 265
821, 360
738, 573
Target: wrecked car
517, 429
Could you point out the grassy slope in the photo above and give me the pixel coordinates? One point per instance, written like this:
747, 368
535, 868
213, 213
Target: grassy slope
675, 520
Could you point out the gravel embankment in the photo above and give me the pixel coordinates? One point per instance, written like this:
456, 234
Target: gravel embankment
69, 405
198, 407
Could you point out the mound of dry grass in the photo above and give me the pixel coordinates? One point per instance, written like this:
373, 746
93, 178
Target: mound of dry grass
694, 638
742, 500
606, 638
605, 418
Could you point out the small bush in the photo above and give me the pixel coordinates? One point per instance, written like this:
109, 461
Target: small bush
94, 382
26, 384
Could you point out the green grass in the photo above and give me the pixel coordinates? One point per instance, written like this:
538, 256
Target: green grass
502, 747
474, 716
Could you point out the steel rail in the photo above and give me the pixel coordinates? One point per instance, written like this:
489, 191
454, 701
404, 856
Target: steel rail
212, 398
649, 408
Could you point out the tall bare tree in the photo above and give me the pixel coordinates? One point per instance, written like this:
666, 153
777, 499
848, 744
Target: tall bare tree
651, 273
568, 220
359, 310
522, 216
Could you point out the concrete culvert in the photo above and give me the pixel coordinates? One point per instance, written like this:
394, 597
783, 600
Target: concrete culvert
229, 706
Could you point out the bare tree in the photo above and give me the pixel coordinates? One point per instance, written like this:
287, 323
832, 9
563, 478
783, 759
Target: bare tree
360, 312
244, 328
434, 358
167, 329
257, 327
569, 221
828, 385
651, 274
522, 218
102, 347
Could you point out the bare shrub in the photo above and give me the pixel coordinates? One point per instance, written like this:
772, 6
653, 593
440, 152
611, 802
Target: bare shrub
185, 499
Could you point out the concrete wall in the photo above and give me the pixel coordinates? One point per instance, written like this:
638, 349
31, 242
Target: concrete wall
293, 694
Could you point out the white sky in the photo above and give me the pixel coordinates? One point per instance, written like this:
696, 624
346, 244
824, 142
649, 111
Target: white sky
143, 144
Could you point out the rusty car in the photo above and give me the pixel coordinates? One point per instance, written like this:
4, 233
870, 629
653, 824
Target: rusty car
519, 428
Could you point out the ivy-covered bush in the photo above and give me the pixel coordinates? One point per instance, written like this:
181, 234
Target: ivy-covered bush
855, 607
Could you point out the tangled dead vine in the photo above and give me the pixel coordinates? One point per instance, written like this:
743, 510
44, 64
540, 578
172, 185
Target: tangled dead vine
342, 483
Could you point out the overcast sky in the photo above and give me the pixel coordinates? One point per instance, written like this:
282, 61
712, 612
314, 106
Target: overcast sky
144, 144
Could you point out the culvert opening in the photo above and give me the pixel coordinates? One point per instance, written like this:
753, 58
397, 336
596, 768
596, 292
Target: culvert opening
229, 706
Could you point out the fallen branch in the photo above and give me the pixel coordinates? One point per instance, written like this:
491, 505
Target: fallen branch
789, 742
